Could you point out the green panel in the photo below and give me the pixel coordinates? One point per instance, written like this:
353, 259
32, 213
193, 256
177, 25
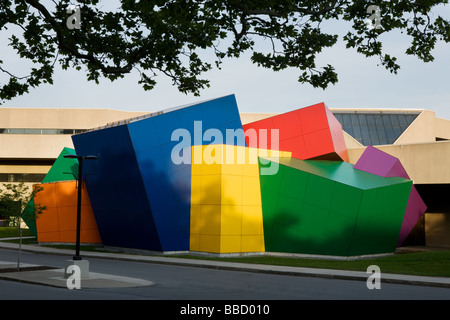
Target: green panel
294, 183
379, 220
63, 169
339, 234
341, 172
29, 218
280, 219
329, 208
320, 191
308, 243
269, 201
313, 220
272, 182
346, 200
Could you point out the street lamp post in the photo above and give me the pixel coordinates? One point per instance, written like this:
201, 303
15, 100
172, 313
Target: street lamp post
80, 184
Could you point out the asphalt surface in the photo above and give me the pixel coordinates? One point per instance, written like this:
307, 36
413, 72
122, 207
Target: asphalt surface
56, 277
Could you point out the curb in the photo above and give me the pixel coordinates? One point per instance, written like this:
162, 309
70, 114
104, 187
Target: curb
245, 267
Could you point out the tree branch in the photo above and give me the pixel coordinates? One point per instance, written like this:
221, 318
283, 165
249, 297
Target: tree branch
64, 47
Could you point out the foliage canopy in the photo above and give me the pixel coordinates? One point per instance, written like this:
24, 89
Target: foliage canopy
183, 39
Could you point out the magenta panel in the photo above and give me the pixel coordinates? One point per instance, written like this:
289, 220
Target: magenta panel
383, 164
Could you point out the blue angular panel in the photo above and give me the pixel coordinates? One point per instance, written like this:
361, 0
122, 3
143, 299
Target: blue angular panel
116, 190
139, 156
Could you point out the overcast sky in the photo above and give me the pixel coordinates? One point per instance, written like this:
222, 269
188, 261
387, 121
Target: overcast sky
362, 84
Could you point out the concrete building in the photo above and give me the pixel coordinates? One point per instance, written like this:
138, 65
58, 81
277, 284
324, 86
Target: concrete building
32, 138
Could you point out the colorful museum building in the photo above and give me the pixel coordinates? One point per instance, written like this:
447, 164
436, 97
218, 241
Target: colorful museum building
206, 178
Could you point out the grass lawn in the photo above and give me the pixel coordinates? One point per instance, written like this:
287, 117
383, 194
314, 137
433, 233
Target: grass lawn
429, 263
7, 232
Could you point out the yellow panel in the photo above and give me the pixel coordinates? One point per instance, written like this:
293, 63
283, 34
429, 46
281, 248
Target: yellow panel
196, 166
231, 217
196, 190
251, 191
197, 156
253, 243
213, 154
231, 190
211, 169
274, 153
251, 170
210, 219
225, 188
232, 169
194, 242
210, 190
252, 221
230, 244
209, 243
195, 218
233, 157
196, 169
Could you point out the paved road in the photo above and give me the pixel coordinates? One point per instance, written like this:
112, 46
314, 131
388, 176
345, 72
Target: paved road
192, 283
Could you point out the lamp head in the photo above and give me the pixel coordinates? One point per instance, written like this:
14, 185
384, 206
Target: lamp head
74, 156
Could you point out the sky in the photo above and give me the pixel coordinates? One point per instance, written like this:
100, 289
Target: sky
361, 84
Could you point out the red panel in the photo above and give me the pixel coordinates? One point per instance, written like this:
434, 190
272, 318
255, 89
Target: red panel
313, 118
318, 143
338, 136
255, 129
260, 137
311, 132
288, 124
296, 145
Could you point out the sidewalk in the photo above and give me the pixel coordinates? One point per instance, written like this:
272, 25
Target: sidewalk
55, 277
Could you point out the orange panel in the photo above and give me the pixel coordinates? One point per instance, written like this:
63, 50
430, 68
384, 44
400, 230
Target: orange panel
90, 236
68, 236
58, 223
87, 217
67, 217
48, 236
66, 194
48, 220
47, 192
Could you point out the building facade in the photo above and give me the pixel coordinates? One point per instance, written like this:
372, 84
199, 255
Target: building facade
32, 138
